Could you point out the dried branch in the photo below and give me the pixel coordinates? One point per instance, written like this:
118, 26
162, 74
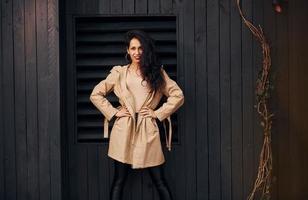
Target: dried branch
264, 176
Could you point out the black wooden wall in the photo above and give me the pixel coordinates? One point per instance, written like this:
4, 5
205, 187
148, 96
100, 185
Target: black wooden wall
219, 60
30, 166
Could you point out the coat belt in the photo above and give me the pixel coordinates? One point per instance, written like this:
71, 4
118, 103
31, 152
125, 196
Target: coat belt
167, 136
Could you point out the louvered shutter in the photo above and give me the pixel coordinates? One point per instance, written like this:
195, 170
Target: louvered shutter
99, 43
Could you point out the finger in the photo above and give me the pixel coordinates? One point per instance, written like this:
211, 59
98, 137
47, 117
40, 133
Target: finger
143, 112
143, 115
124, 115
147, 115
144, 109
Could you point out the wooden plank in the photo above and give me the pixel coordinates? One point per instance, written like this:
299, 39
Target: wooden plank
302, 58
116, 6
298, 99
236, 104
247, 102
202, 169
304, 5
31, 100
175, 7
94, 7
178, 152
2, 135
79, 173
281, 119
128, 7
54, 100
20, 103
294, 109
93, 173
71, 174
213, 101
153, 7
64, 133
189, 137
165, 6
86, 7
80, 9
9, 148
71, 8
42, 95
225, 100
104, 175
104, 6
141, 6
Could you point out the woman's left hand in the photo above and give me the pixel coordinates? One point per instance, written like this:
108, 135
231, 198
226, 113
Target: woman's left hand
147, 112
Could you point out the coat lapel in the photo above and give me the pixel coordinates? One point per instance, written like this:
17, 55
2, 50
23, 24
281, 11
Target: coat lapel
128, 98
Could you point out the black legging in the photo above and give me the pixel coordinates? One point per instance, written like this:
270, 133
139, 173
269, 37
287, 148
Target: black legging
120, 175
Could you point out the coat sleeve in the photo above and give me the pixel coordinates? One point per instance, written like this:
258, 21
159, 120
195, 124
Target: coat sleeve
98, 95
175, 98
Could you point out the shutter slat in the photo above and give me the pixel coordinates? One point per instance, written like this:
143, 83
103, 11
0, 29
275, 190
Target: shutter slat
116, 26
111, 61
118, 50
118, 38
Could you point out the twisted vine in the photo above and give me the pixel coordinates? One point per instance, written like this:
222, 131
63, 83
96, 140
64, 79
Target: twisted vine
264, 176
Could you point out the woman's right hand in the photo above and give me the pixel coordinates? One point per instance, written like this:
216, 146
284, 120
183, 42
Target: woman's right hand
123, 112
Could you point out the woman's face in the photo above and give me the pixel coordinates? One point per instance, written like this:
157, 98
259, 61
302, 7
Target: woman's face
135, 50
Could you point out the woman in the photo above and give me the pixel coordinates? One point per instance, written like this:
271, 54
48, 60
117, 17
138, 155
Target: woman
135, 139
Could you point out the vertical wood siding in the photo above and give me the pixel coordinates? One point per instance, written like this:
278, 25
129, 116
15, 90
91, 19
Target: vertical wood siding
30, 101
218, 61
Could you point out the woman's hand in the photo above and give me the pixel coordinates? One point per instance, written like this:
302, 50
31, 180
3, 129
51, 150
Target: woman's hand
147, 112
123, 112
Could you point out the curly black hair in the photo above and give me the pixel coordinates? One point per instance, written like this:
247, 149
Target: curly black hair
150, 65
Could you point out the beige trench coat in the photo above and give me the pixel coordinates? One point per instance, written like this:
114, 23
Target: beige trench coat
135, 140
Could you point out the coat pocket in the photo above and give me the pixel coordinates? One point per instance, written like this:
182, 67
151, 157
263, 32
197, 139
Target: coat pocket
152, 127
